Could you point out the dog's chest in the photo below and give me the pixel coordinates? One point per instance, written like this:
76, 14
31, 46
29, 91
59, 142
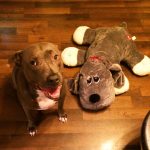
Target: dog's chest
44, 102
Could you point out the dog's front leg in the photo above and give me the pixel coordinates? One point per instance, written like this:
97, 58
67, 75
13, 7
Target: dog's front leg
62, 115
31, 120
28, 104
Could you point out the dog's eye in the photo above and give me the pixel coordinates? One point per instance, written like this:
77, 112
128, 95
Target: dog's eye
55, 57
33, 63
96, 79
89, 80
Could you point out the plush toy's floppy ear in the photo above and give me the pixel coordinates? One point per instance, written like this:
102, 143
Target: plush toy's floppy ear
16, 58
74, 84
121, 82
124, 25
116, 72
117, 75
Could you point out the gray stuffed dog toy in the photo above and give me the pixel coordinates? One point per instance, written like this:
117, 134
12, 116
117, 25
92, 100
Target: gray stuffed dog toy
101, 76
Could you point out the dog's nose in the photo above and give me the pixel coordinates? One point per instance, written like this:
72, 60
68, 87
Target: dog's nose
53, 79
94, 98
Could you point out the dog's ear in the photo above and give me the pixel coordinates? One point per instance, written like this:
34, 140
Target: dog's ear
117, 75
116, 72
74, 84
16, 59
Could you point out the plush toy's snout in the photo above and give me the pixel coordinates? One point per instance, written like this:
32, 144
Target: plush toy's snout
94, 98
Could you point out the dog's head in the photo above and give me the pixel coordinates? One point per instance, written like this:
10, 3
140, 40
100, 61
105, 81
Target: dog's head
41, 64
95, 83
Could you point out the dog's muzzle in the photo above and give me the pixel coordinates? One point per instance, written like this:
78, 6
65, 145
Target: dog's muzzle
53, 79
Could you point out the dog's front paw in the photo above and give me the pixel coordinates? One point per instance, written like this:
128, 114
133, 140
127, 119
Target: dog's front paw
32, 131
63, 118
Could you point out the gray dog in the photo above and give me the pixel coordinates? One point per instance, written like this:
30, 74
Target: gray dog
38, 80
101, 76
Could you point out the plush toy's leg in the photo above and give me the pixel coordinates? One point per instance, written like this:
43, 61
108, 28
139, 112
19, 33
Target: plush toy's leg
143, 67
73, 56
84, 35
124, 88
139, 63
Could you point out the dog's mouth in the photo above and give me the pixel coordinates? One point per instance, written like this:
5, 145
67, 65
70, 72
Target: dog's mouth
51, 92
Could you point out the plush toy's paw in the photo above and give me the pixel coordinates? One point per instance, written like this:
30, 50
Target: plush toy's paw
78, 34
70, 56
124, 88
143, 67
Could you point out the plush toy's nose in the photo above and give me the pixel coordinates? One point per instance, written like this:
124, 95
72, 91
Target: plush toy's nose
94, 98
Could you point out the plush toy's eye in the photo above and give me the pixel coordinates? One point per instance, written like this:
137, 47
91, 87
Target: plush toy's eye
56, 57
96, 79
33, 62
89, 80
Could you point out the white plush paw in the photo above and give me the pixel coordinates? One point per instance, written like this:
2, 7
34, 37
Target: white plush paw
78, 34
70, 56
124, 88
143, 67
63, 118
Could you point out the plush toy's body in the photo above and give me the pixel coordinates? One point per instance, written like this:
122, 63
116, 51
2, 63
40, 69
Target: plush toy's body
101, 76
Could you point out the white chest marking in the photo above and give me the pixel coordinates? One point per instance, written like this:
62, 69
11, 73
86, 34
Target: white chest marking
44, 102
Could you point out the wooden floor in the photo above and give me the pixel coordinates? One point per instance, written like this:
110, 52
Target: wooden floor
116, 128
